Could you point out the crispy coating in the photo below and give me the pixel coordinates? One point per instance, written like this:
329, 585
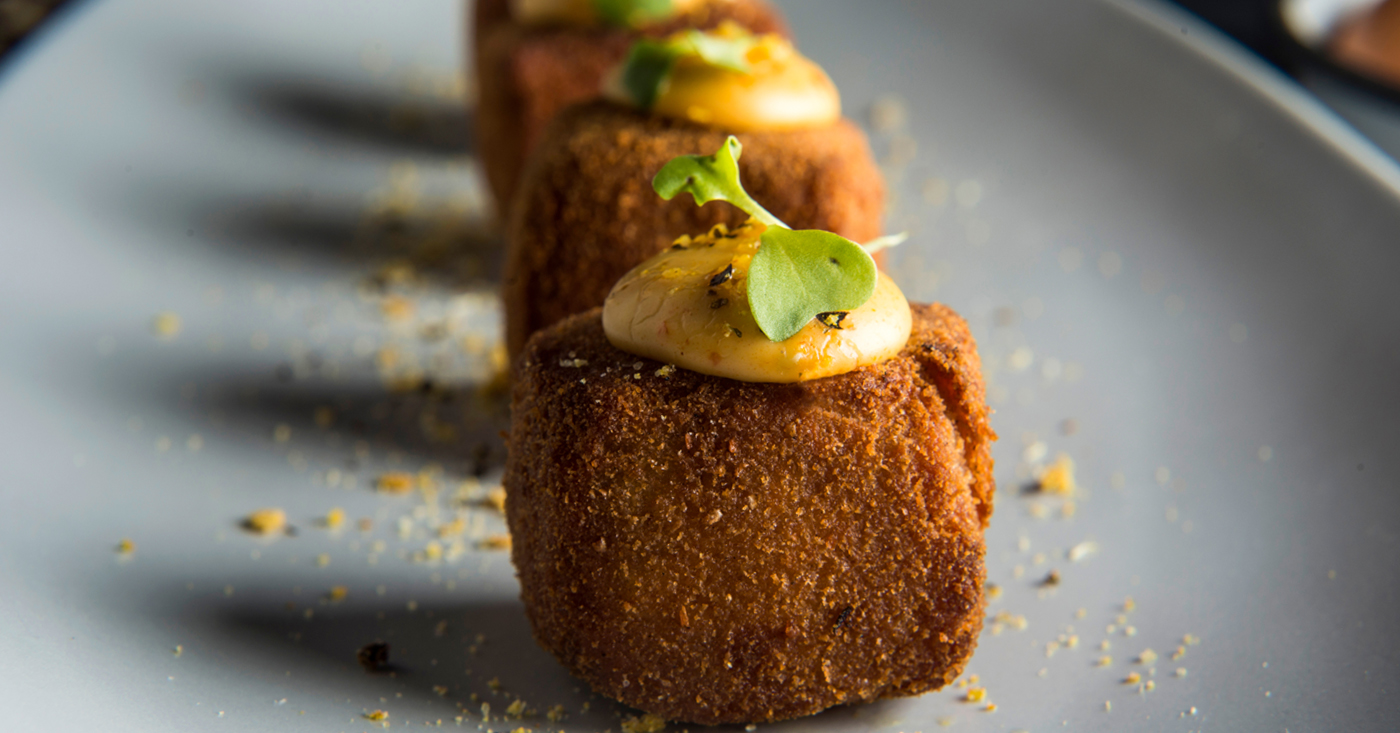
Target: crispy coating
587, 212
716, 551
526, 75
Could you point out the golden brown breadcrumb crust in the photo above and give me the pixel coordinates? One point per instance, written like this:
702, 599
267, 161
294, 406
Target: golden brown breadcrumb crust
526, 75
717, 551
587, 212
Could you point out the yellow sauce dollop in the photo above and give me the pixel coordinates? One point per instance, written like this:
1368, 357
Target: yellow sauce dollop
668, 309
783, 90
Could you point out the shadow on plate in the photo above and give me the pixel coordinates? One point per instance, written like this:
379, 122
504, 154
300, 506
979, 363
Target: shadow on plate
400, 123
446, 241
441, 662
455, 425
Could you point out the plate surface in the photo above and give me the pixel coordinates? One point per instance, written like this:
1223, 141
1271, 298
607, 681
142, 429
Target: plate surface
247, 267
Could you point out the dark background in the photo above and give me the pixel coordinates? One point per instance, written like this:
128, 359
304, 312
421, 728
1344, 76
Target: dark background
1251, 22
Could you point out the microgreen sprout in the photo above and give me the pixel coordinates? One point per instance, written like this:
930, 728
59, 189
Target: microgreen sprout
630, 13
796, 275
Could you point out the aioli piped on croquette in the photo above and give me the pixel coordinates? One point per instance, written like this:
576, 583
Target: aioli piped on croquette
689, 306
729, 79
764, 303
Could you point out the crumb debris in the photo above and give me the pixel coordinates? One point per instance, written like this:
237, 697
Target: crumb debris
1058, 477
1082, 551
373, 657
377, 716
496, 498
495, 542
266, 521
647, 723
1147, 657
1103, 661
179, 650
395, 483
1132, 679
975, 694
125, 547
334, 518
337, 593
396, 308
166, 325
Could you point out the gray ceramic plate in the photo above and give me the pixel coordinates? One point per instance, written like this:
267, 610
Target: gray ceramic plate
1180, 269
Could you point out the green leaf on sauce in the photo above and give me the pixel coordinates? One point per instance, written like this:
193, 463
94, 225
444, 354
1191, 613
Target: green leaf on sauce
648, 67
632, 13
711, 178
797, 274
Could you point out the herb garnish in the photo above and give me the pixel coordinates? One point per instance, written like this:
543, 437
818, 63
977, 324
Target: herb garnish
631, 13
796, 275
711, 178
647, 70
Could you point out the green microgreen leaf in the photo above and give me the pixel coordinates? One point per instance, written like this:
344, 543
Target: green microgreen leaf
646, 71
632, 13
796, 275
724, 52
885, 242
649, 63
711, 178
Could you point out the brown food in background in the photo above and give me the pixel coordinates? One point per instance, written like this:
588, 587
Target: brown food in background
1370, 43
525, 75
717, 551
587, 213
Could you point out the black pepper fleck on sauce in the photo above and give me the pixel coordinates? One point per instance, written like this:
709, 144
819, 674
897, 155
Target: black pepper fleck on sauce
720, 303
723, 276
845, 614
833, 319
737, 332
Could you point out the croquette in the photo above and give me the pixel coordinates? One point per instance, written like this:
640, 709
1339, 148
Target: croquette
587, 212
716, 551
525, 75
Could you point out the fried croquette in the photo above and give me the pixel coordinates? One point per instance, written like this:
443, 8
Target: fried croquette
526, 75
717, 551
587, 213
